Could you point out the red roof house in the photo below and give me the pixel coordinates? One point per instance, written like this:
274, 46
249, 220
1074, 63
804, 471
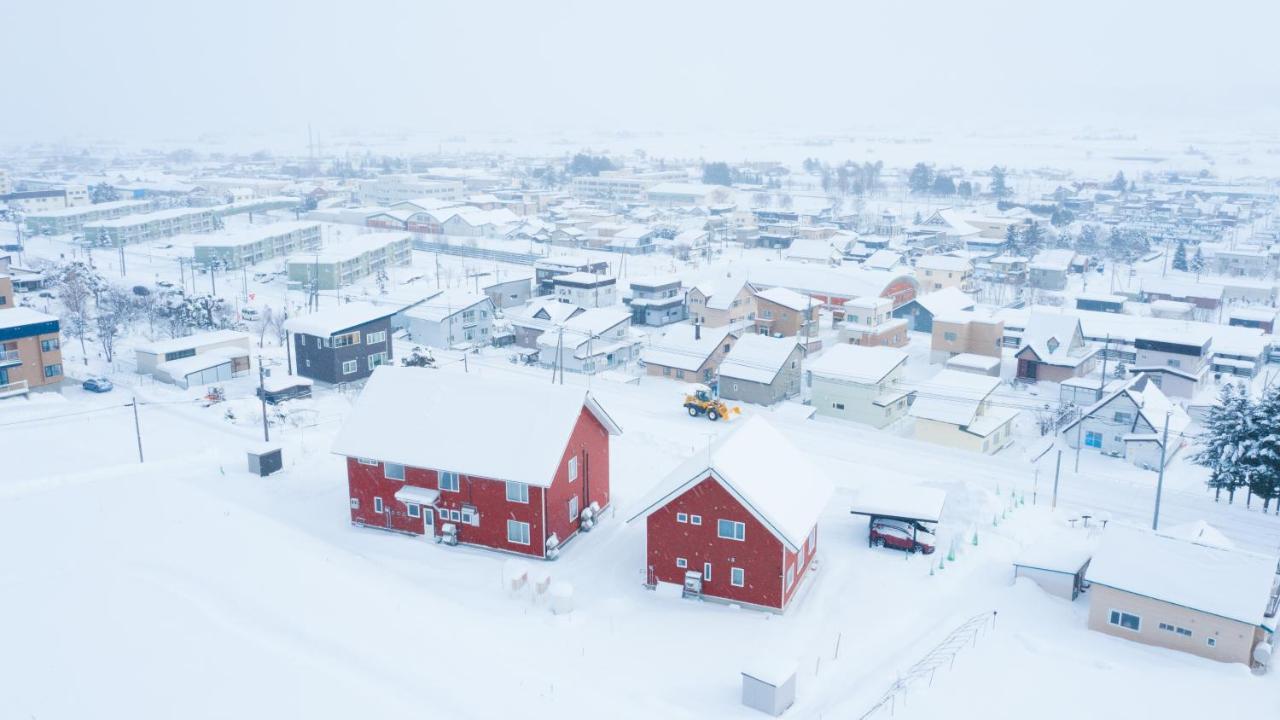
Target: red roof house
740, 518
520, 468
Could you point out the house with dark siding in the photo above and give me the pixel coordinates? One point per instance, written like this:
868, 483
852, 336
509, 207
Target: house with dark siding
341, 344
427, 454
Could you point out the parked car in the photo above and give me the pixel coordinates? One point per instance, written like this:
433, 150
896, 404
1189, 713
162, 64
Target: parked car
249, 313
902, 535
97, 384
164, 283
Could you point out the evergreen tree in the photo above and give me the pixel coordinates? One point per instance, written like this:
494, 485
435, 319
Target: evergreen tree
1119, 183
965, 189
944, 185
1180, 256
1197, 262
1262, 457
1224, 441
717, 173
1032, 239
921, 178
999, 183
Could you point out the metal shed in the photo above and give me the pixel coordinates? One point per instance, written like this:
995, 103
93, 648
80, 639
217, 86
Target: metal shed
769, 685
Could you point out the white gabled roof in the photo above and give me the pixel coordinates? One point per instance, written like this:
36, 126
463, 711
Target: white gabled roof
678, 348
946, 300
160, 347
325, 323
446, 304
787, 298
774, 480
866, 364
953, 396
482, 426
944, 262
757, 358
1228, 583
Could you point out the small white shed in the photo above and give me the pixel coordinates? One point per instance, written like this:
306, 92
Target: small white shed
1057, 563
769, 685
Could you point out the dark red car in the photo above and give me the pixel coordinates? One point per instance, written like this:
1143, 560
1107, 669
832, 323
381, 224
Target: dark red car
901, 535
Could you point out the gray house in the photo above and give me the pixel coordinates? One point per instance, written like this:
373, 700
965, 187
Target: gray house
1129, 423
657, 301
1049, 269
761, 370
860, 383
509, 293
342, 344
453, 318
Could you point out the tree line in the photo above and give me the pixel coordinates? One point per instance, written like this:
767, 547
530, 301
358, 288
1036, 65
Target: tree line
1240, 445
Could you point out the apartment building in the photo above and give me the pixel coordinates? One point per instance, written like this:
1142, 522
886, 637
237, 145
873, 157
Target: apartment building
252, 246
621, 185
131, 229
355, 259
30, 354
71, 219
390, 189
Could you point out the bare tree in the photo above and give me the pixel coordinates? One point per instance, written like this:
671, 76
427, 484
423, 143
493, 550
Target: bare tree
78, 284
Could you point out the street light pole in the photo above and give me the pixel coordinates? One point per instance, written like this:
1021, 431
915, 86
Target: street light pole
262, 393
1164, 448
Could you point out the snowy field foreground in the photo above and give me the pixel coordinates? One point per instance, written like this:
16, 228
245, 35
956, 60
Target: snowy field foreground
185, 587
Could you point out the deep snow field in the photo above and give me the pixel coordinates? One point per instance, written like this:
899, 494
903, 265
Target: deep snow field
185, 587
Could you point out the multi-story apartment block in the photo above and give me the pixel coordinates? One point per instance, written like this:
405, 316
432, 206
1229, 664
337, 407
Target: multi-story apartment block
30, 355
355, 259
71, 219
391, 189
257, 244
149, 226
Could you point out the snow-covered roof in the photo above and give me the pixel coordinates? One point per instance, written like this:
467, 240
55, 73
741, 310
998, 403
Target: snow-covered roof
678, 348
1228, 583
1060, 552
183, 367
252, 234
160, 347
787, 298
866, 364
757, 358
891, 499
946, 300
556, 312
1054, 260
883, 260
583, 278
325, 323
1181, 288
1051, 338
749, 462
946, 263
811, 249
1153, 405
953, 396
446, 304
973, 361
845, 282
277, 383
482, 426
19, 316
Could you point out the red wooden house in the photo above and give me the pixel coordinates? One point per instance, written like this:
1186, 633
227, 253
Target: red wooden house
521, 468
740, 519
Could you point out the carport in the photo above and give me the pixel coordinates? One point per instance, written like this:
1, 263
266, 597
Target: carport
909, 504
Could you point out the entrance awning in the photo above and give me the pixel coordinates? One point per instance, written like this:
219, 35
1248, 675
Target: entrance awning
416, 495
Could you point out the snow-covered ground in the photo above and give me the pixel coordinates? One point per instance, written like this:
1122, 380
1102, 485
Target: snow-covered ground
224, 594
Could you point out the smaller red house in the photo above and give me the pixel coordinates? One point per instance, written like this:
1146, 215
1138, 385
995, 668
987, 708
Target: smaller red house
740, 520
479, 461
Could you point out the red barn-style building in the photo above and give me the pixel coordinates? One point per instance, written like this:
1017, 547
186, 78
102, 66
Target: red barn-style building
520, 468
741, 518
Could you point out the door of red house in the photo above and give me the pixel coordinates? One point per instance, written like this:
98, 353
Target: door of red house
1027, 369
428, 523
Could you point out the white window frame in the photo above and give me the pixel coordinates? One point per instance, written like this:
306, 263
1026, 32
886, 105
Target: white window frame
413, 510
573, 468
444, 514
386, 471
573, 508
469, 516
367, 461
695, 519
737, 577
520, 494
1115, 618
706, 572
354, 364
791, 576
375, 337
682, 563
440, 481
522, 531
355, 503
682, 517
734, 528
378, 506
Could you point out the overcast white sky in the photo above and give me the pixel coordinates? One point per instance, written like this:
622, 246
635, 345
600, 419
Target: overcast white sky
132, 68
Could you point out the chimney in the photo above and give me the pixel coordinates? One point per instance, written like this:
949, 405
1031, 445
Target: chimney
697, 331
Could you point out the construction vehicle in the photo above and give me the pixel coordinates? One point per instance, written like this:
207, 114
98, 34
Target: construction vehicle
698, 400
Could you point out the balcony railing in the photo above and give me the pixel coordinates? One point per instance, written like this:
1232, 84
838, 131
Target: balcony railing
9, 357
18, 387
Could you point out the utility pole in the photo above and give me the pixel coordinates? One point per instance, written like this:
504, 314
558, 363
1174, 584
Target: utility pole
1164, 447
137, 427
1079, 422
559, 356
1057, 471
262, 393
213, 280
122, 270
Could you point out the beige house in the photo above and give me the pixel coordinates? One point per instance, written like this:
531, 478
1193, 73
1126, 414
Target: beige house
30, 354
864, 384
935, 272
869, 321
687, 352
956, 409
1181, 594
723, 303
1054, 349
965, 332
786, 313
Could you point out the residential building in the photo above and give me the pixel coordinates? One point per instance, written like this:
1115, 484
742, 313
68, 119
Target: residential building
157, 225
1178, 362
1101, 302
545, 271
1212, 601
1050, 268
528, 323
786, 313
688, 352
958, 409
863, 384
1205, 296
595, 340
1054, 349
64, 220
341, 265
966, 332
920, 311
452, 319
511, 293
386, 190
151, 358
723, 527
935, 272
726, 302
657, 301
1262, 318
341, 344
519, 468
685, 194
30, 354
1129, 422
586, 290
621, 185
869, 321
762, 370
255, 244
